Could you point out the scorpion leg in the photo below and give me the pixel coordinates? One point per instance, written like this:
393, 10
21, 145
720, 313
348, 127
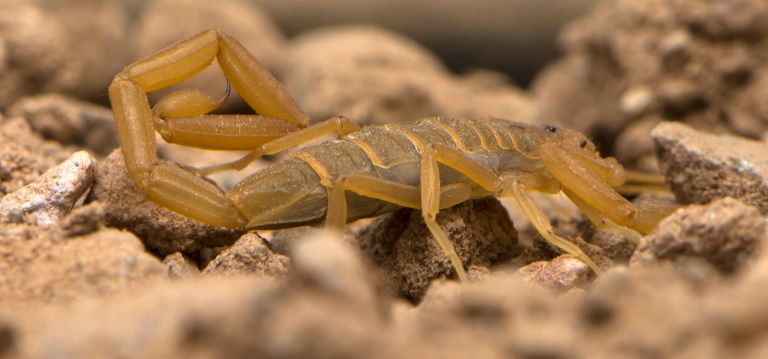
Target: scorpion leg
430, 191
589, 180
598, 219
490, 182
400, 194
520, 188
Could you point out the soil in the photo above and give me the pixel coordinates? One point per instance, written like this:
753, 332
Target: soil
90, 268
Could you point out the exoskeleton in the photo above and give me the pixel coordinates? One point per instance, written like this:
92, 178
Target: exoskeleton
426, 164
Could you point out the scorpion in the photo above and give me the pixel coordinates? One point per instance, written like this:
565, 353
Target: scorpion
427, 164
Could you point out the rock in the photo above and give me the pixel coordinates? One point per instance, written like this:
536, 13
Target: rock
47, 200
69, 121
41, 267
24, 156
701, 167
160, 229
47, 47
560, 274
396, 80
249, 255
685, 60
180, 266
492, 319
403, 247
725, 233
324, 262
327, 309
83, 220
645, 311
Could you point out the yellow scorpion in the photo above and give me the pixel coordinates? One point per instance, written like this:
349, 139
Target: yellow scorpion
427, 164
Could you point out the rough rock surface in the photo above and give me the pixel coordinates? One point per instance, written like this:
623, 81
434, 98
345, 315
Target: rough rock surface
250, 254
24, 155
560, 274
725, 233
701, 167
52, 196
69, 121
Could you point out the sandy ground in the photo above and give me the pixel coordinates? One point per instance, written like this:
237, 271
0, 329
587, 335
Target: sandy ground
90, 268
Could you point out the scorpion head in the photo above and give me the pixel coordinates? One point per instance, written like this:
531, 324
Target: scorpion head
569, 138
581, 149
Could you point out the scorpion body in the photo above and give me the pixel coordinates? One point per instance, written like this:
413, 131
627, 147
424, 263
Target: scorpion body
389, 152
427, 164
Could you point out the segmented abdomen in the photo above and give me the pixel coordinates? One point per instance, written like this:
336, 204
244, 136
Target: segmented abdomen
393, 152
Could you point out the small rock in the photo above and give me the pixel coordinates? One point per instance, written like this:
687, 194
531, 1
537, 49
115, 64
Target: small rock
701, 167
284, 239
159, 228
725, 233
560, 274
694, 57
52, 196
401, 244
634, 146
180, 266
636, 100
251, 255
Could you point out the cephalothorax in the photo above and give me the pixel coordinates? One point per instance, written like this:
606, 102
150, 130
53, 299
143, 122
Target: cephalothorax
428, 164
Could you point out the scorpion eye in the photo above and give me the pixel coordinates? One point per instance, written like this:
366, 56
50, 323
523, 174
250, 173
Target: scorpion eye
583, 143
550, 128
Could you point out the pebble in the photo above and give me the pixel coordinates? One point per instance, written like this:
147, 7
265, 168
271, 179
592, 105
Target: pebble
49, 199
